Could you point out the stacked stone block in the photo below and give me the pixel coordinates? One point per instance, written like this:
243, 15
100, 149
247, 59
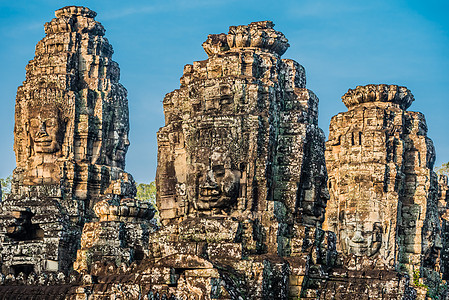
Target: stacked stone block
70, 140
383, 206
241, 174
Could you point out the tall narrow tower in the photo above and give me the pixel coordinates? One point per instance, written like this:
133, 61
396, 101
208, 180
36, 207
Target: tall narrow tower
70, 140
383, 204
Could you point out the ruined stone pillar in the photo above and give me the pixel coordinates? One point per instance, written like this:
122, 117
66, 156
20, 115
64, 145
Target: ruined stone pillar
443, 202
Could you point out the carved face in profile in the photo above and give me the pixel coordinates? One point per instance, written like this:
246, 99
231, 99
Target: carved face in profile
121, 148
45, 128
117, 147
319, 209
432, 244
219, 185
361, 238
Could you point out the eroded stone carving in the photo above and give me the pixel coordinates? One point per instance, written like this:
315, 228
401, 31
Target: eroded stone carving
383, 204
219, 185
45, 127
233, 117
241, 181
71, 112
70, 140
241, 168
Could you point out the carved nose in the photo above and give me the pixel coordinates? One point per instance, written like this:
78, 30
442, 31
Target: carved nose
210, 182
324, 193
209, 186
42, 131
358, 238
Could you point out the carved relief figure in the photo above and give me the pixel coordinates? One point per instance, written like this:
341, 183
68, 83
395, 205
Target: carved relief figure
45, 131
214, 174
117, 143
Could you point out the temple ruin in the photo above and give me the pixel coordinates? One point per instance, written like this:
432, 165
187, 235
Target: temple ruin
383, 203
70, 140
241, 174
247, 209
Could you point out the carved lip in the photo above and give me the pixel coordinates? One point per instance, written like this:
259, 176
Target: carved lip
44, 143
208, 199
209, 192
214, 199
359, 248
363, 247
211, 195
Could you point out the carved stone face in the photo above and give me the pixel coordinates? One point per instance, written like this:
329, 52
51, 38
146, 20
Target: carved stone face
121, 149
117, 147
432, 245
323, 196
219, 186
361, 237
45, 130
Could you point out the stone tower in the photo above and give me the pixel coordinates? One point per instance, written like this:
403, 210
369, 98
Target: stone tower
70, 140
238, 130
241, 175
383, 205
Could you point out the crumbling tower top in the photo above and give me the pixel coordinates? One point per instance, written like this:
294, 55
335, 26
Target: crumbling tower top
378, 93
260, 35
75, 10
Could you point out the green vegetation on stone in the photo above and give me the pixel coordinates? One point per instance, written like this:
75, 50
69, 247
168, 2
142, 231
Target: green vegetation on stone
443, 169
6, 186
146, 192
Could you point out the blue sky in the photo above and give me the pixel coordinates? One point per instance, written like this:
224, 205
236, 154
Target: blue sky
341, 44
